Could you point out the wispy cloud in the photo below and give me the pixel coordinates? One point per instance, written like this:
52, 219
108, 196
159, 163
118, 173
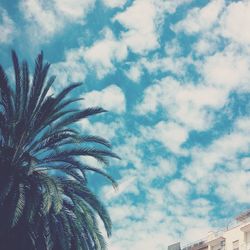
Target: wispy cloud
7, 27
114, 3
111, 98
44, 20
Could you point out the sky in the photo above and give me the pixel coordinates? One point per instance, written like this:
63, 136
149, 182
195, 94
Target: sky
175, 77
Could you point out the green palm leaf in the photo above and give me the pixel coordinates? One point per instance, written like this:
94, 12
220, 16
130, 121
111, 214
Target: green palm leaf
45, 202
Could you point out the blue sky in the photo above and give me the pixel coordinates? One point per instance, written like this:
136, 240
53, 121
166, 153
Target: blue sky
175, 76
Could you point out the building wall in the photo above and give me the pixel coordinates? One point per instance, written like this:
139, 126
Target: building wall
234, 238
234, 235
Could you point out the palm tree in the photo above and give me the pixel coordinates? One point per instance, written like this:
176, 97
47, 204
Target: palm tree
45, 202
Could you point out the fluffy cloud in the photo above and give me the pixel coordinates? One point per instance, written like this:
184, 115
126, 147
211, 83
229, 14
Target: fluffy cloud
229, 191
187, 104
71, 69
170, 134
179, 188
161, 217
111, 98
142, 34
105, 130
171, 64
114, 3
134, 73
228, 69
171, 6
7, 27
75, 10
220, 159
200, 19
41, 19
45, 19
234, 20
99, 57
104, 52
153, 218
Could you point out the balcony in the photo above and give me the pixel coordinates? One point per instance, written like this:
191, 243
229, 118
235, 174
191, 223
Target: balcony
199, 245
215, 238
245, 228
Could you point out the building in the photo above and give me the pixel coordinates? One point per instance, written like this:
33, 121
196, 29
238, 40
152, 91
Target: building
235, 237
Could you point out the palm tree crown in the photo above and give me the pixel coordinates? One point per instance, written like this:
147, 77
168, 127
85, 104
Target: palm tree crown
45, 202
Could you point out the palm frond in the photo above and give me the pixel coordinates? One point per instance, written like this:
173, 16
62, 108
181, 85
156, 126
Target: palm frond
18, 94
19, 207
45, 202
75, 117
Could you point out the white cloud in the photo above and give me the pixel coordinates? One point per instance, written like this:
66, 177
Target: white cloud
72, 69
201, 207
234, 186
134, 73
150, 101
161, 216
188, 104
111, 98
163, 211
114, 3
75, 10
173, 48
179, 188
45, 19
67, 73
192, 104
175, 65
100, 57
42, 19
106, 130
7, 27
210, 163
104, 52
234, 20
130, 152
171, 6
163, 168
200, 19
142, 33
228, 69
170, 134
125, 185
206, 45
141, 36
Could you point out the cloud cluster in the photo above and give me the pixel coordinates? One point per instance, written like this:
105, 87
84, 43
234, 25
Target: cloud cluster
217, 165
114, 3
45, 19
140, 37
179, 195
111, 98
102, 55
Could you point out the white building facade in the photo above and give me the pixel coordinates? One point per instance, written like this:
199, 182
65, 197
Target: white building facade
236, 237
